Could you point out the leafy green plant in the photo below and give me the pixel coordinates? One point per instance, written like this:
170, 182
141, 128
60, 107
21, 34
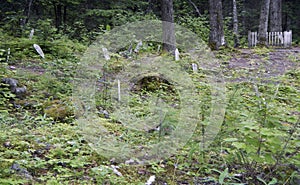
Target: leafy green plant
45, 30
224, 176
272, 182
157, 168
294, 58
3, 55
198, 25
262, 51
262, 142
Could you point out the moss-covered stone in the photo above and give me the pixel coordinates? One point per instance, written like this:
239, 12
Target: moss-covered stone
57, 109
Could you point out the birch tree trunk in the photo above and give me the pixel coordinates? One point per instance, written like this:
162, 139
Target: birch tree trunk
235, 25
216, 36
169, 42
276, 15
263, 22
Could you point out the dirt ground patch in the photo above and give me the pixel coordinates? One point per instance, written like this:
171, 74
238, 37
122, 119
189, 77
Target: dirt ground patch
248, 65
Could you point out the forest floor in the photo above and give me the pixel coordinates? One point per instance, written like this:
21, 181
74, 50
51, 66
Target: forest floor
40, 142
249, 64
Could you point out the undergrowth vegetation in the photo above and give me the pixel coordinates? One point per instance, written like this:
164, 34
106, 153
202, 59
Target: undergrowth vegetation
40, 142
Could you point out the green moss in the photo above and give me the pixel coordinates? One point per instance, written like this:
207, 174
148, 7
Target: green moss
58, 110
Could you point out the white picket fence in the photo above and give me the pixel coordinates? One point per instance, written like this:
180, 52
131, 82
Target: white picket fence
279, 39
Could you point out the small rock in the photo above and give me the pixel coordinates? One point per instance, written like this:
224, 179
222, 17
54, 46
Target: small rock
142, 171
71, 143
38, 152
17, 106
20, 91
15, 167
12, 67
150, 180
103, 113
106, 114
7, 144
21, 171
13, 83
113, 161
130, 161
48, 146
115, 170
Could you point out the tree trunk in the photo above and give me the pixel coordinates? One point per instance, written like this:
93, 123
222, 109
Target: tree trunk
216, 37
149, 7
276, 15
169, 42
26, 13
263, 22
58, 15
245, 28
235, 25
65, 15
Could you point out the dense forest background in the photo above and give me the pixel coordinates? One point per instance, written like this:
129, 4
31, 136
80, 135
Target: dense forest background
84, 19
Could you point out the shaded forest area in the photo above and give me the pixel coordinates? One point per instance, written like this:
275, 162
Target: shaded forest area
83, 19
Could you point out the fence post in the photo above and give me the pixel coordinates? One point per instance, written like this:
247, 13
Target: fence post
249, 39
287, 38
255, 38
279, 38
290, 37
273, 38
269, 38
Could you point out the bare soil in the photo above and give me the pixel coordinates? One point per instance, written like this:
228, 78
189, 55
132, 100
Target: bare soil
248, 65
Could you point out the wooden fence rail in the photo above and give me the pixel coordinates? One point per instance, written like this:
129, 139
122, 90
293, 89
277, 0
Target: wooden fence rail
279, 39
